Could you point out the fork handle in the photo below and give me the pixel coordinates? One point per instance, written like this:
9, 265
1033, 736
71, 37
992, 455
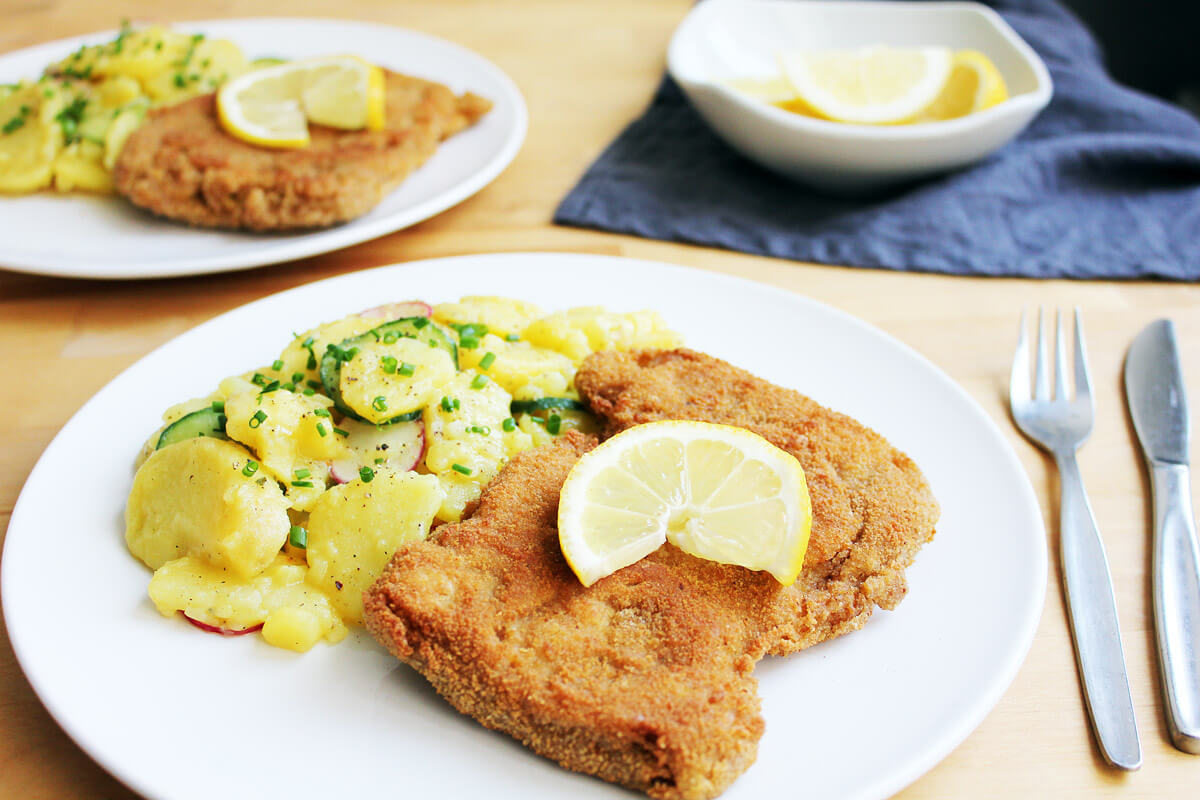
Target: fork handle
1093, 614
1176, 580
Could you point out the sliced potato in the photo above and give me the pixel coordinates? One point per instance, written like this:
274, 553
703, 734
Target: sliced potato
80, 167
501, 315
384, 380
466, 443
294, 615
29, 139
354, 529
526, 372
291, 434
579, 332
195, 498
303, 353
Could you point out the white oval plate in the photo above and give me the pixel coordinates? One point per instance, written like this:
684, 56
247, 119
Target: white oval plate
83, 236
179, 714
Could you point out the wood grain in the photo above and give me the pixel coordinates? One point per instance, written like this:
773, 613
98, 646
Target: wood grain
586, 69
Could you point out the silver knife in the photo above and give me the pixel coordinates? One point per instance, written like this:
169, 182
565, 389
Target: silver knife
1155, 391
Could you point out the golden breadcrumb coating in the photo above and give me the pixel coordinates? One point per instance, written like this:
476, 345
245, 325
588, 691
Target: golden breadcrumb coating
645, 678
180, 163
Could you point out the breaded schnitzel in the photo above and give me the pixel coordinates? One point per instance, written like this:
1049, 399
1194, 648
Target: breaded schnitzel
645, 678
181, 163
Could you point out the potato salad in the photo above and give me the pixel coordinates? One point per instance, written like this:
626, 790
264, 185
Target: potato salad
66, 128
272, 504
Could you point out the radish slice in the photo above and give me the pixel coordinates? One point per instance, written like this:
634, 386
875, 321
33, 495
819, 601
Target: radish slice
343, 471
409, 308
204, 626
401, 445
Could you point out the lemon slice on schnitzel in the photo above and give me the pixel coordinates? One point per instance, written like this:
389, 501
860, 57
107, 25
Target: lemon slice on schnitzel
715, 491
273, 106
868, 85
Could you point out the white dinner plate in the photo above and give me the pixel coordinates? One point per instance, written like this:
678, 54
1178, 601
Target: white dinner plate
82, 236
178, 714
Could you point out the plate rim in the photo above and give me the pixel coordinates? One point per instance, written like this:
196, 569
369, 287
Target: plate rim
303, 244
885, 785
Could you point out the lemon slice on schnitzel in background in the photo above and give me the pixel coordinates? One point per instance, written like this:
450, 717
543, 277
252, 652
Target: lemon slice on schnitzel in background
273, 106
715, 491
869, 85
973, 85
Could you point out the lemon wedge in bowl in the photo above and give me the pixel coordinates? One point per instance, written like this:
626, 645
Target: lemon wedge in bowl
715, 491
868, 85
273, 106
974, 84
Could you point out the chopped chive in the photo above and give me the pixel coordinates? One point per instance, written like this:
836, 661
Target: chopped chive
309, 392
218, 406
250, 468
390, 337
300, 473
277, 364
468, 342
258, 419
482, 430
303, 484
307, 344
367, 474
381, 461
321, 429
479, 381
512, 337
314, 384
321, 412
180, 81
554, 424
379, 403
420, 322
407, 369
509, 424
389, 364
270, 387
487, 361
449, 404
298, 537
473, 329
259, 379
297, 378
460, 469
291, 387
341, 432
346, 355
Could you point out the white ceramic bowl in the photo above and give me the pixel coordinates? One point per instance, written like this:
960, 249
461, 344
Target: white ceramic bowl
722, 39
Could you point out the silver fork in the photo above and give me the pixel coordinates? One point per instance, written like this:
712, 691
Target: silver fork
1060, 424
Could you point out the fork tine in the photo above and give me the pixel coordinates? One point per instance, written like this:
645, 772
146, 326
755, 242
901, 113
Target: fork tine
1042, 377
1083, 382
1060, 357
1018, 385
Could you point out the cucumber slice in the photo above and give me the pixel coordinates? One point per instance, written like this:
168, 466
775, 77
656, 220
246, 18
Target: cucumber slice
204, 422
544, 403
419, 328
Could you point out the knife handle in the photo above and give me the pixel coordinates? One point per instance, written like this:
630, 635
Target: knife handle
1176, 580
1093, 615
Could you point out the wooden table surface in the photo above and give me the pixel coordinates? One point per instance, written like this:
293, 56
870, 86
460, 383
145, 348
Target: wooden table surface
586, 69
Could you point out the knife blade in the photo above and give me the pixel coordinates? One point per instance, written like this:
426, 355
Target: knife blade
1154, 389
